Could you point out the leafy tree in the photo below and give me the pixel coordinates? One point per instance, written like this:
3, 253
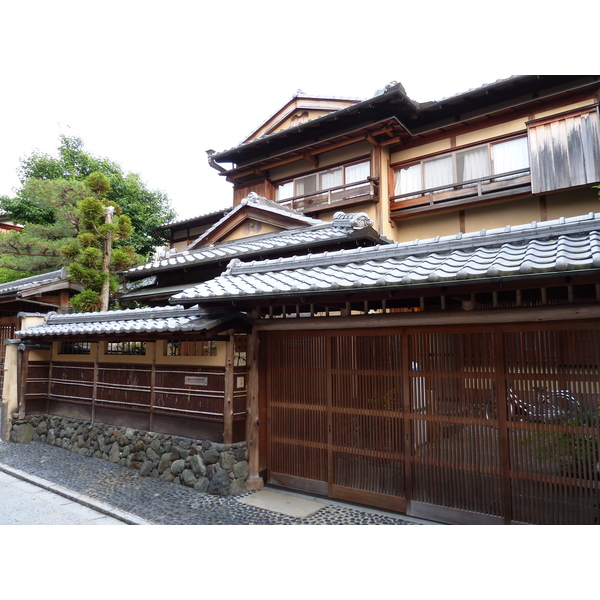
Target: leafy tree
147, 209
47, 209
7, 275
100, 249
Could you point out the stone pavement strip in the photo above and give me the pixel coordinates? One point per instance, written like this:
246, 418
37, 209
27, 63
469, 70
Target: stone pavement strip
123, 494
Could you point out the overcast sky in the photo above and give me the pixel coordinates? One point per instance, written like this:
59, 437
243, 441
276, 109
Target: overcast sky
153, 85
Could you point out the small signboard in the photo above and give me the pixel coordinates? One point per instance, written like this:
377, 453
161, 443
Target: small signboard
190, 380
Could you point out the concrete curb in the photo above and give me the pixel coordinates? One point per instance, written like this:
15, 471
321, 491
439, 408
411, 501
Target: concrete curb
101, 507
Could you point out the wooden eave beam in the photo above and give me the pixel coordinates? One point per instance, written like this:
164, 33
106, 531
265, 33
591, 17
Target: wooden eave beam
319, 146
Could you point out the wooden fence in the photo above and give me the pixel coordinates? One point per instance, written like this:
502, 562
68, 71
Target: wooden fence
179, 400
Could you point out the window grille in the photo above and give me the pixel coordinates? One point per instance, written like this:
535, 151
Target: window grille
75, 348
126, 347
191, 348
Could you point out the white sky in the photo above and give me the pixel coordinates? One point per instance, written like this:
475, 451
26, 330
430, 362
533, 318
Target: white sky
153, 85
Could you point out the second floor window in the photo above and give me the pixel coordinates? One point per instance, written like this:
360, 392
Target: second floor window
324, 180
464, 167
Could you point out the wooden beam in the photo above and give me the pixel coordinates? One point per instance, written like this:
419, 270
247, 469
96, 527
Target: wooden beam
424, 319
23, 358
254, 481
228, 389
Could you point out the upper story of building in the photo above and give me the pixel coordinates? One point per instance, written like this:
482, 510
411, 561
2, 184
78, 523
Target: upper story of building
522, 149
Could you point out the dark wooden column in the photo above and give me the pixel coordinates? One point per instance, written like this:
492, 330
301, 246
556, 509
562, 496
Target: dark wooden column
228, 391
254, 481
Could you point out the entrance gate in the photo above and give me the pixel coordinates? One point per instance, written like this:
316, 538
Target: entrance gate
451, 424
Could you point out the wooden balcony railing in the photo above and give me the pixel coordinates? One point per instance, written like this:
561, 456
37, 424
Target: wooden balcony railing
341, 195
464, 193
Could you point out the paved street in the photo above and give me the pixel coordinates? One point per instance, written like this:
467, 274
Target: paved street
122, 493
23, 503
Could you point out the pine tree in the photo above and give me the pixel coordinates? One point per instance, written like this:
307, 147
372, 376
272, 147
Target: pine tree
100, 249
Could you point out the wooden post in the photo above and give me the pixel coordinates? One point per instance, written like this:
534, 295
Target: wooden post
228, 391
23, 359
254, 481
152, 385
95, 349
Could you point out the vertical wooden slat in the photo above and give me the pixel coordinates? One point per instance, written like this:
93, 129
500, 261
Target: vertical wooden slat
228, 389
254, 480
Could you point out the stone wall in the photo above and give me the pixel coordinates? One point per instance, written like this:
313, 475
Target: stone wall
219, 469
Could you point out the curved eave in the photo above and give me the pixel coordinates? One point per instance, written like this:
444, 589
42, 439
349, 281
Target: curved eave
399, 290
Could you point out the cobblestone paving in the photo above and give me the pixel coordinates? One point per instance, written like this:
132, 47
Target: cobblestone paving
165, 503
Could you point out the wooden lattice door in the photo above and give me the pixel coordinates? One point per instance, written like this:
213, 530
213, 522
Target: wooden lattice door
335, 416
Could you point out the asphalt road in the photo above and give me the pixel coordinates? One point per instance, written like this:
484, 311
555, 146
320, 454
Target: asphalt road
22, 503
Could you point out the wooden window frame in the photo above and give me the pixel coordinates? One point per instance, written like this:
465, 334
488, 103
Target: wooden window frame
318, 172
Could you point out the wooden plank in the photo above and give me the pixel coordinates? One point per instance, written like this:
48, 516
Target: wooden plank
229, 389
254, 481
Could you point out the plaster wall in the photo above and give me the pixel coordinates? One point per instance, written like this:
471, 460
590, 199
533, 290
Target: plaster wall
152, 348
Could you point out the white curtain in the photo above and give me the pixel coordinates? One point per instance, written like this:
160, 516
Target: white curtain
331, 178
438, 172
407, 179
510, 156
475, 163
358, 172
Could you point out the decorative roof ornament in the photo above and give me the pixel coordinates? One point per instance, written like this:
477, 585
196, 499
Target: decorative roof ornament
351, 220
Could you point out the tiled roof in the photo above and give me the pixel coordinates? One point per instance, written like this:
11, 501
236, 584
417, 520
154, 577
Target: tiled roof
168, 319
551, 247
265, 205
30, 282
343, 226
207, 216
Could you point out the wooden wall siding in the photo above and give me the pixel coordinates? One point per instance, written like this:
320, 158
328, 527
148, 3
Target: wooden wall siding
555, 462
174, 396
565, 152
71, 381
366, 441
421, 420
155, 393
37, 379
124, 386
297, 416
456, 456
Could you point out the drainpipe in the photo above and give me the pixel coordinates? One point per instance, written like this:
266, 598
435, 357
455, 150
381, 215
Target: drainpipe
213, 164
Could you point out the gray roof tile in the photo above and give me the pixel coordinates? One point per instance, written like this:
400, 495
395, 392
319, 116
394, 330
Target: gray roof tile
321, 231
554, 246
137, 321
34, 281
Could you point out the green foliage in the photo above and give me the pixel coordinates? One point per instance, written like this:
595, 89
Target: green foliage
100, 249
146, 209
86, 301
7, 275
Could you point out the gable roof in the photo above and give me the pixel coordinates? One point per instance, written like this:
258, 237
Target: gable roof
133, 323
37, 284
300, 101
538, 249
344, 228
257, 208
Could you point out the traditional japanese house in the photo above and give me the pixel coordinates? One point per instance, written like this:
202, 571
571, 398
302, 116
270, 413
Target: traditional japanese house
164, 368
454, 373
